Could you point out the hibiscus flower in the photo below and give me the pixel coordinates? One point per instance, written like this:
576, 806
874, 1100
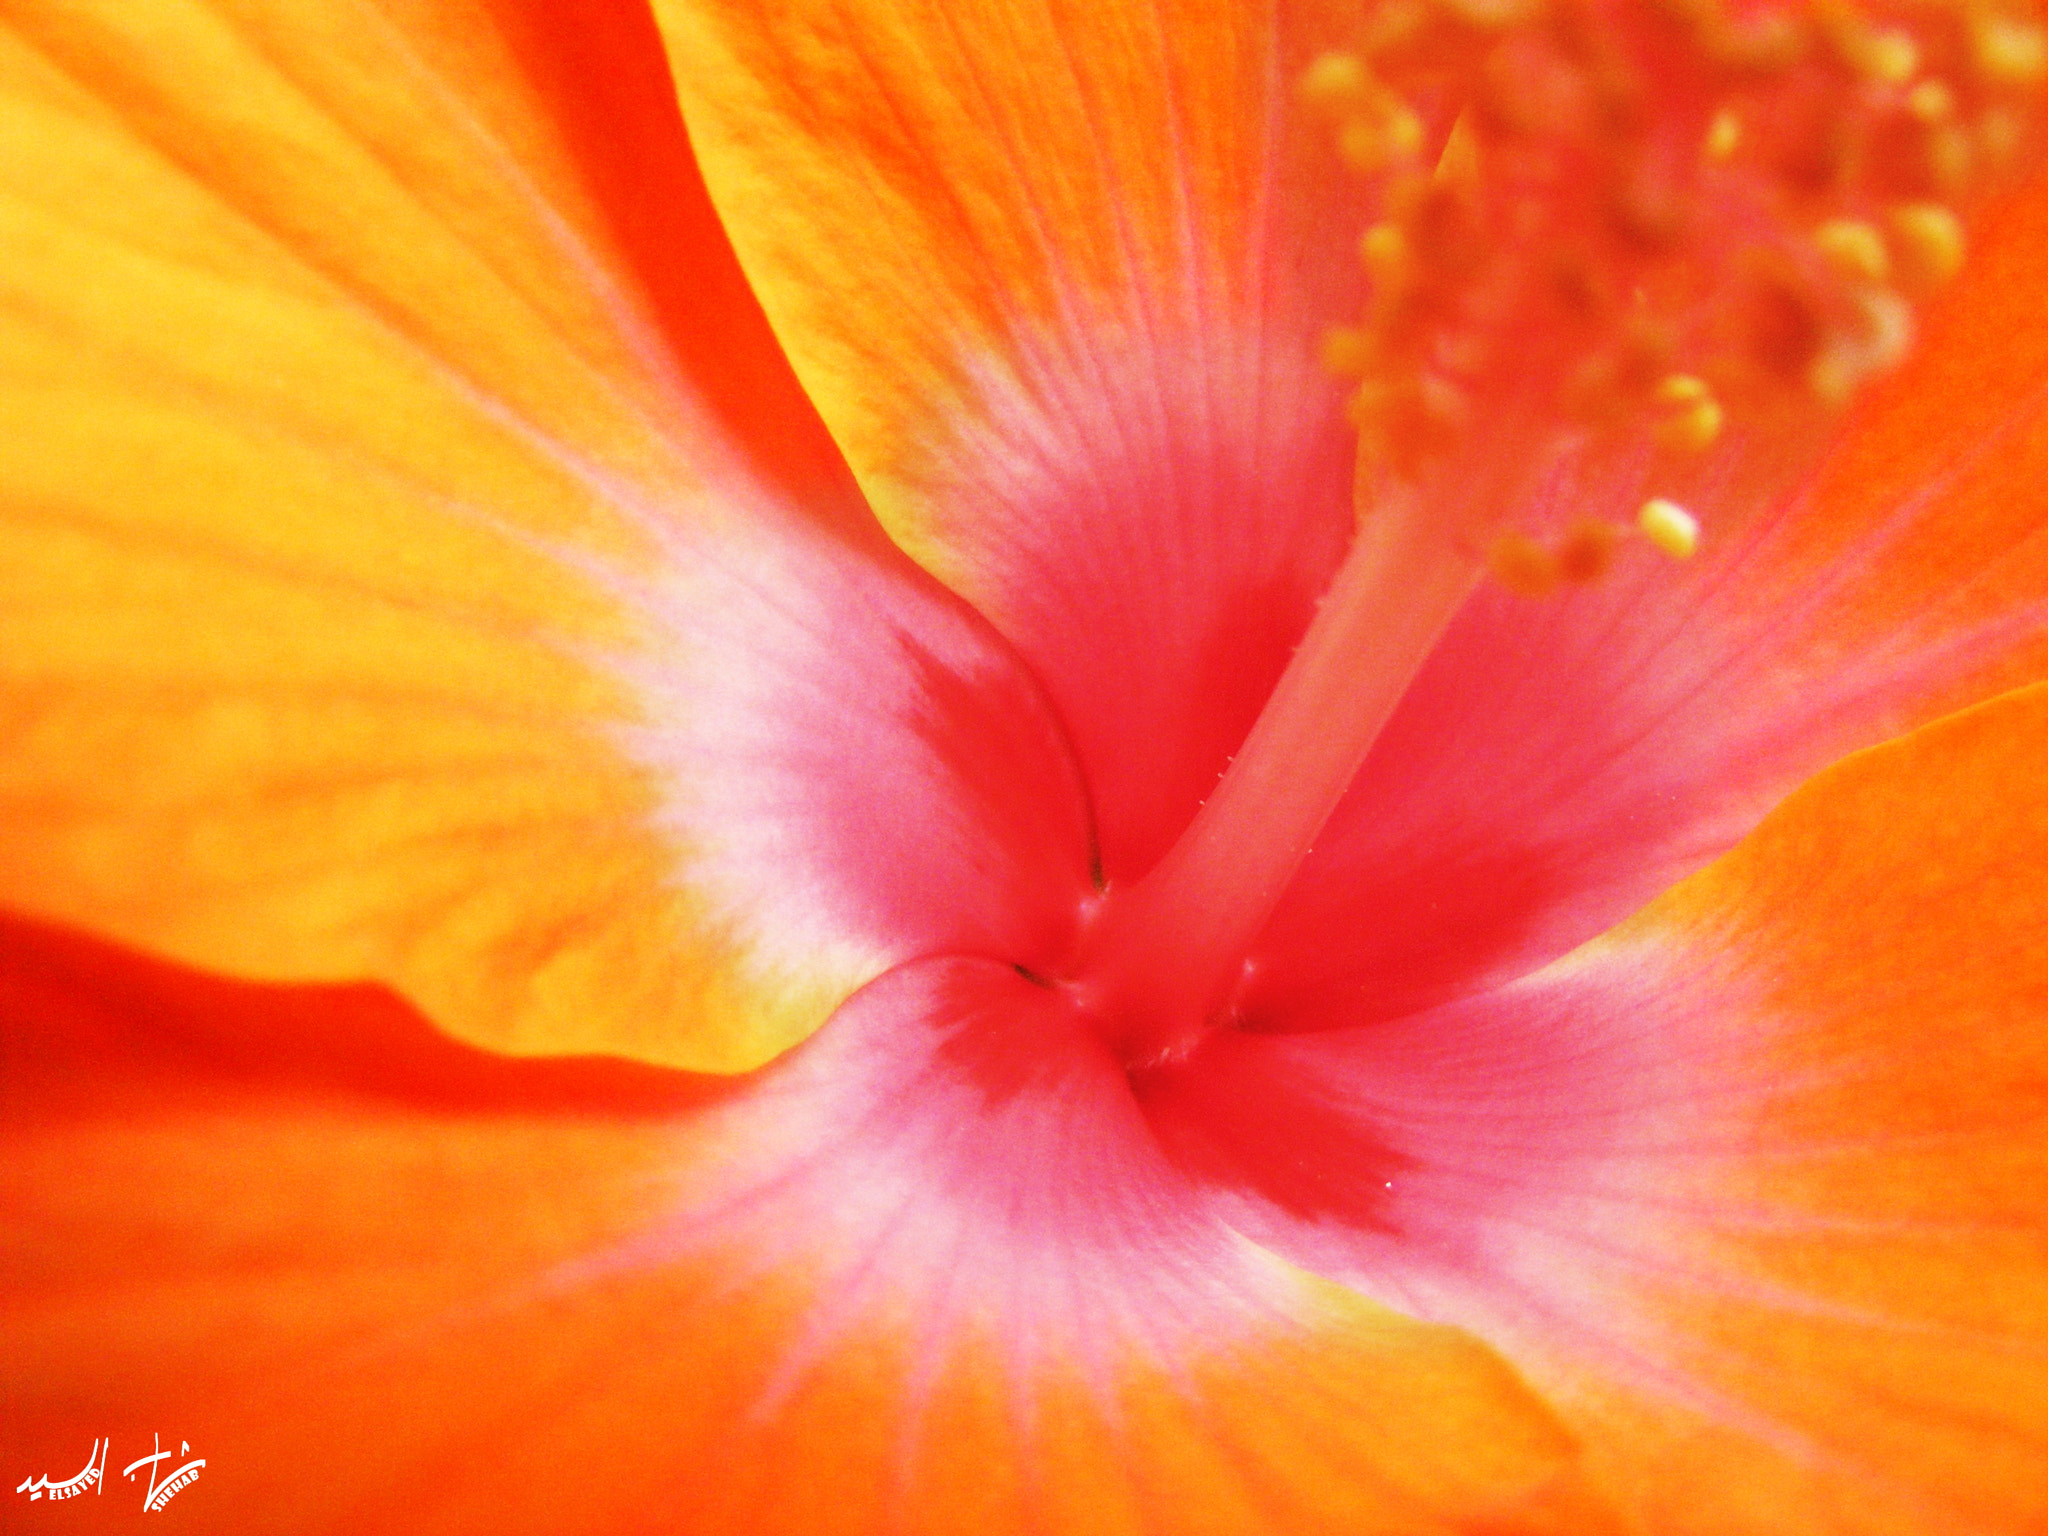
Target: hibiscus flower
947, 828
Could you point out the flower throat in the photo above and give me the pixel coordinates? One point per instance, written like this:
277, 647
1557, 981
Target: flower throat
1608, 232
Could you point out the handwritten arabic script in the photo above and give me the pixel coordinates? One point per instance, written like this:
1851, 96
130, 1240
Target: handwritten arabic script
161, 1489
71, 1487
162, 1493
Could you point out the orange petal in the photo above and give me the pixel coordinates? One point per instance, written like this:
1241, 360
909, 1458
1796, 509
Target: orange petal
1852, 1274
371, 1275
932, 199
1750, 1187
1925, 534
382, 454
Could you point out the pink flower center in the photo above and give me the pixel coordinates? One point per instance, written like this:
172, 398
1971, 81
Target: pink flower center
1160, 964
1605, 232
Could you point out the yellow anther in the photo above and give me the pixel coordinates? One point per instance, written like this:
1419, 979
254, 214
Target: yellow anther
1369, 144
1336, 84
1346, 351
1617, 197
1929, 241
1890, 57
1522, 565
1669, 526
1724, 135
1887, 329
1931, 101
1403, 130
1854, 249
2010, 50
1384, 249
1587, 551
1850, 357
1833, 376
1698, 419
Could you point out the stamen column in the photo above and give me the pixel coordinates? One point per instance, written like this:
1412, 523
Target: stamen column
1164, 957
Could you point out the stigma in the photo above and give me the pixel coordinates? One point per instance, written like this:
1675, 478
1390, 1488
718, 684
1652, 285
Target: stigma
1622, 229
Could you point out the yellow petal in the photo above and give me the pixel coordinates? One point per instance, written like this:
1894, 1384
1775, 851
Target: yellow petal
375, 439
